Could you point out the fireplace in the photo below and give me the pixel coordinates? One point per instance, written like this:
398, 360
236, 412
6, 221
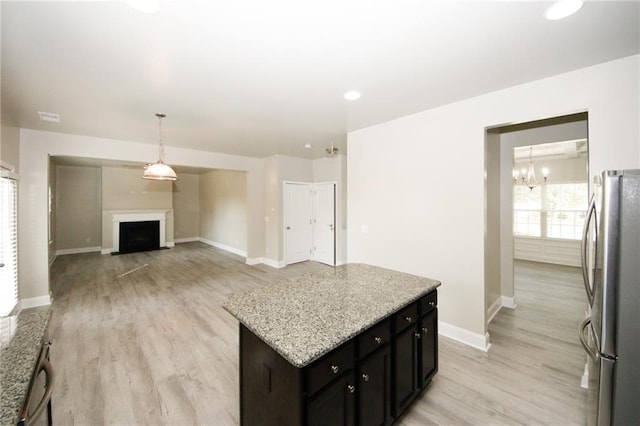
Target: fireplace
139, 236
127, 217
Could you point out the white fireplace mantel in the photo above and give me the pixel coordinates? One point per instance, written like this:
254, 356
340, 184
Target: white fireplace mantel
138, 216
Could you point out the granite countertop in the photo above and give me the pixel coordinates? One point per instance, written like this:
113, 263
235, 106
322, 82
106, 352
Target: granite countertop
305, 317
21, 339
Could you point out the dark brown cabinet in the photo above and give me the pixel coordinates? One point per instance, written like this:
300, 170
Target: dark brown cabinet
374, 389
428, 347
368, 381
334, 405
415, 350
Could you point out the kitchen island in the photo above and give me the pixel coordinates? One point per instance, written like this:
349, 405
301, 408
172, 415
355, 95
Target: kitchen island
353, 345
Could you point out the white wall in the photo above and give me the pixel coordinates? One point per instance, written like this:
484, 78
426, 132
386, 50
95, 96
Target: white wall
78, 200
186, 207
223, 210
416, 183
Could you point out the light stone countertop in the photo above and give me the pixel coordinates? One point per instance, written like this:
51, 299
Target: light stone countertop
21, 339
302, 318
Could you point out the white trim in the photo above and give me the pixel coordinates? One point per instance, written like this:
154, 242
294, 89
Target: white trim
230, 249
52, 259
33, 302
508, 302
500, 302
169, 244
78, 250
494, 309
187, 240
475, 340
273, 263
107, 251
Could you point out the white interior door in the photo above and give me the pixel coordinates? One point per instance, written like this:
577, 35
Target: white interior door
324, 233
298, 214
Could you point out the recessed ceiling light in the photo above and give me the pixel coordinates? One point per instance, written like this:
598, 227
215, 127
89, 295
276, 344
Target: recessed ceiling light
352, 95
49, 116
562, 9
145, 6
307, 145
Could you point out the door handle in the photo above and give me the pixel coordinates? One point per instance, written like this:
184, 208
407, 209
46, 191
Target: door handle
583, 340
591, 213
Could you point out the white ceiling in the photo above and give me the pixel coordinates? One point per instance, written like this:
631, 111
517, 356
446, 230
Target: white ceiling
265, 77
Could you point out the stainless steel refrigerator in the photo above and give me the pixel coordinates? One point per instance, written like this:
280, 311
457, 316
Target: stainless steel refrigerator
611, 270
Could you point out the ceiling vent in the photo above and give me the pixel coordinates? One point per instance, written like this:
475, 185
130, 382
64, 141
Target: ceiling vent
49, 116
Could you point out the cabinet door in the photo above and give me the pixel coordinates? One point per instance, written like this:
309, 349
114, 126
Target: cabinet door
428, 347
374, 389
405, 368
334, 405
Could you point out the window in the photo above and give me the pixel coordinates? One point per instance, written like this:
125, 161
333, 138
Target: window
550, 210
8, 245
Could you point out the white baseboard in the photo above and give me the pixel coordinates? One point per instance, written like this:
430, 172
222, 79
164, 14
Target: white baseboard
465, 336
269, 262
508, 302
33, 302
494, 309
106, 251
170, 244
230, 249
52, 259
187, 240
78, 250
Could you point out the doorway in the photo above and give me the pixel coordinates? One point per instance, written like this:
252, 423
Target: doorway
500, 244
309, 222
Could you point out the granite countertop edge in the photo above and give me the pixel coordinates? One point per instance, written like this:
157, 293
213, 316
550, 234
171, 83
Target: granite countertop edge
21, 337
242, 306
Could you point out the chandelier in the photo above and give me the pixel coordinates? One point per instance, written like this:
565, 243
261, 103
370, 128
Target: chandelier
527, 177
159, 170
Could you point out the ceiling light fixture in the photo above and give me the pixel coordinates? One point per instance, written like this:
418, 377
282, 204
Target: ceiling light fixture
352, 95
562, 9
159, 170
332, 151
145, 6
528, 177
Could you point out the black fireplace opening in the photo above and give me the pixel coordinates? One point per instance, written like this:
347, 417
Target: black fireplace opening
139, 236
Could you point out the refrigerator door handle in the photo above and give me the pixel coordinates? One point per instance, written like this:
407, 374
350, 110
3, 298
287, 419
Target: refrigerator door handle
591, 213
593, 354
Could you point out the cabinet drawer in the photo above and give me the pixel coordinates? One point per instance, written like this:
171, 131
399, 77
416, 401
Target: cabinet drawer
428, 302
330, 367
406, 317
373, 338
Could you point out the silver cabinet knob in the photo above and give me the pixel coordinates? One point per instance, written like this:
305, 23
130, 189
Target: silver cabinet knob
365, 377
432, 303
378, 339
331, 227
335, 369
425, 330
288, 227
351, 388
417, 335
408, 319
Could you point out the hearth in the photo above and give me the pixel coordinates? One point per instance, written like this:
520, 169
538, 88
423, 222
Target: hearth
139, 236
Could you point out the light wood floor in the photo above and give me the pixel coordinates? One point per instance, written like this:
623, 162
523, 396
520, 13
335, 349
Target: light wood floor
155, 346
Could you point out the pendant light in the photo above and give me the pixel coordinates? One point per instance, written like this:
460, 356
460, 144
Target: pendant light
159, 170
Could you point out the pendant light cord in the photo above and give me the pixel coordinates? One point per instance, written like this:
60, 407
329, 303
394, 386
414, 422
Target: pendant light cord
160, 143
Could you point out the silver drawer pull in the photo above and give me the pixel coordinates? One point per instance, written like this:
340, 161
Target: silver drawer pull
425, 330
365, 377
335, 369
417, 335
378, 339
351, 388
432, 303
408, 319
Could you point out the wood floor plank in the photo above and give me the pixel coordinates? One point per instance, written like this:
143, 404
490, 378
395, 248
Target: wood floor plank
155, 347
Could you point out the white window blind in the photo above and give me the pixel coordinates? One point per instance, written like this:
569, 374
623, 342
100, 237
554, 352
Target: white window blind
8, 245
